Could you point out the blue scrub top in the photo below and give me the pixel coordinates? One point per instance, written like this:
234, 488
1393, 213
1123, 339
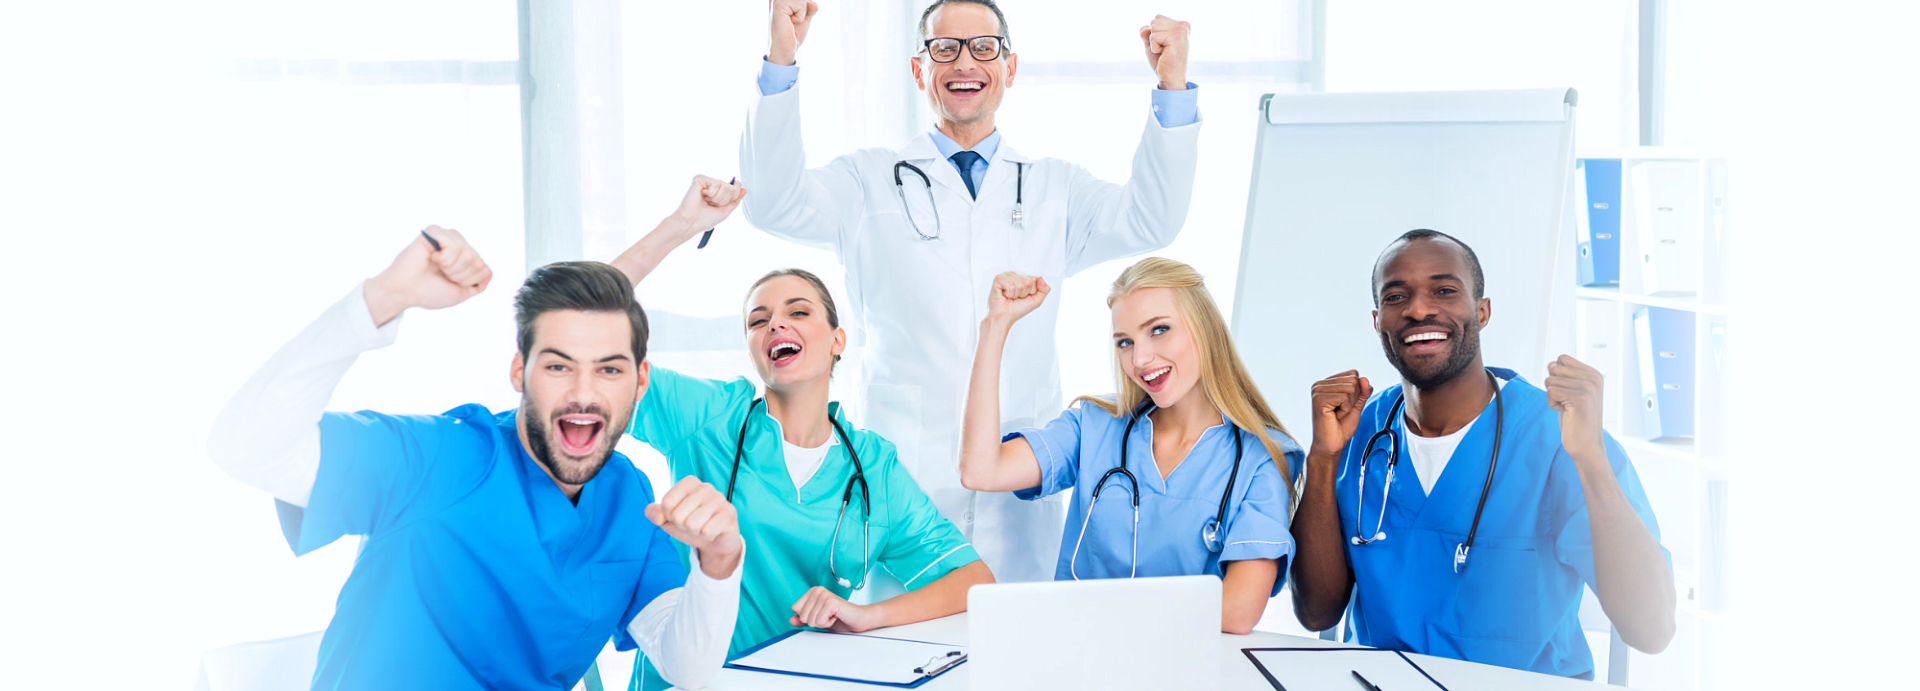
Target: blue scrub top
1077, 448
476, 572
1517, 601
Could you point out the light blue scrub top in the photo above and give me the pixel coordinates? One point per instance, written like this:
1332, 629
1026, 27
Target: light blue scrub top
1081, 445
1516, 603
476, 572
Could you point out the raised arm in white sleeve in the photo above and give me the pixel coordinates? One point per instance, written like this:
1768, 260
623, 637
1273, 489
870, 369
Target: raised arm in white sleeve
1108, 221
268, 435
685, 631
817, 207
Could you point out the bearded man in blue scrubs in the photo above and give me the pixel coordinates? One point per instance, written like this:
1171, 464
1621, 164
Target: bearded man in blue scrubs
1449, 553
503, 550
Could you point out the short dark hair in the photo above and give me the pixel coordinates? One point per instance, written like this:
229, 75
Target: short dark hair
581, 286
1473, 261
826, 298
937, 4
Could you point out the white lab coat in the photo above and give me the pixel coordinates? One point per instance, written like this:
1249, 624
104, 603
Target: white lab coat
920, 302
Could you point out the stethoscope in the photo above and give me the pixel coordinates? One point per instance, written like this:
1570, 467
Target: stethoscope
900, 190
1209, 533
1393, 458
846, 498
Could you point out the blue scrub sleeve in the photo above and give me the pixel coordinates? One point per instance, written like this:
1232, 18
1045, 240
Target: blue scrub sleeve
1573, 546
675, 405
1057, 448
777, 79
1174, 108
1258, 527
376, 468
662, 573
922, 545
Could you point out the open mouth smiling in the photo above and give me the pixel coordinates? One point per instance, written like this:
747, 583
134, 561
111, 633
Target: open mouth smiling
1424, 341
1155, 379
783, 351
579, 434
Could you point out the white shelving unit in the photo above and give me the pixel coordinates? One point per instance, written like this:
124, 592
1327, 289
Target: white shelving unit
1669, 198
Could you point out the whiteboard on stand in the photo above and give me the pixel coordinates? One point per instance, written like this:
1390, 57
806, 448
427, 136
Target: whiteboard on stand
1336, 177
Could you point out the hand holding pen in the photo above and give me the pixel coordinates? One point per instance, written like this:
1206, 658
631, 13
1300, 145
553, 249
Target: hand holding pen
708, 203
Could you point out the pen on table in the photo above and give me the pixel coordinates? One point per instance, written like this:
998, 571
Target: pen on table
1363, 682
704, 237
431, 241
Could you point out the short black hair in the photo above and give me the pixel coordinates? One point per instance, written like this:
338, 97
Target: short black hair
581, 286
1473, 261
937, 4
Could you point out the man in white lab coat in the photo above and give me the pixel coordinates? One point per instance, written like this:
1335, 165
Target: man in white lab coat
923, 230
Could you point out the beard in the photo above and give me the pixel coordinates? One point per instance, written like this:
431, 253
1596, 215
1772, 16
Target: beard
540, 430
1463, 345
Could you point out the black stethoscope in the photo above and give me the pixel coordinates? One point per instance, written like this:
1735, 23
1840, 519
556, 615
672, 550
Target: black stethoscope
1393, 459
846, 498
900, 189
1209, 533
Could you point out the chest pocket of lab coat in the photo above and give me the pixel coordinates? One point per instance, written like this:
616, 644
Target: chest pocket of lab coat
1040, 248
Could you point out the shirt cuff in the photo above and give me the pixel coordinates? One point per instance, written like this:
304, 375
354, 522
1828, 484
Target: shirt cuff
697, 578
776, 79
1174, 108
360, 326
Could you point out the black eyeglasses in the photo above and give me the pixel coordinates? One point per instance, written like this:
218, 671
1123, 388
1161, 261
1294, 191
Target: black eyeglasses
983, 48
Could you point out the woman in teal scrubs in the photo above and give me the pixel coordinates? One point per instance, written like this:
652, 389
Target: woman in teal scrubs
820, 502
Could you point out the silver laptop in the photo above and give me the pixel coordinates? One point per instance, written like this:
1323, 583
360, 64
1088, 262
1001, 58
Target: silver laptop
1110, 634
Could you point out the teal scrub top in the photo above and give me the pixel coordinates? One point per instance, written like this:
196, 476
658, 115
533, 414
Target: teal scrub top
1516, 603
695, 423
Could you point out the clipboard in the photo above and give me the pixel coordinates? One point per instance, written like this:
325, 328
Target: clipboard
1271, 679
943, 658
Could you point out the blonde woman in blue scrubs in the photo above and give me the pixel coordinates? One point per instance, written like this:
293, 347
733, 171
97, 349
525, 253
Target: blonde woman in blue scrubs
1184, 472
820, 500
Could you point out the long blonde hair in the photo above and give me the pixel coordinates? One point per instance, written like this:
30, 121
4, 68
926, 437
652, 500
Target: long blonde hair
1222, 377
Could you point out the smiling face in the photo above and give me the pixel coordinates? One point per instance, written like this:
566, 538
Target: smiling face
578, 386
964, 91
788, 333
1154, 346
1428, 318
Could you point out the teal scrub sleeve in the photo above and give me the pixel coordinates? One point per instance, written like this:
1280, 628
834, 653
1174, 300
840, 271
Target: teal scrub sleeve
1057, 448
675, 405
922, 546
375, 469
1573, 545
661, 573
1257, 528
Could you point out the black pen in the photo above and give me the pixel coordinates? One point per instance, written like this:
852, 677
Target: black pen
431, 241
709, 234
1364, 683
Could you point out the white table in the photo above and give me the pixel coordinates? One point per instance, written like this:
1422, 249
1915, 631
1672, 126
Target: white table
1236, 672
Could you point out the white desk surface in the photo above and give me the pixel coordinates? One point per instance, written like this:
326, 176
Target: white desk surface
1236, 672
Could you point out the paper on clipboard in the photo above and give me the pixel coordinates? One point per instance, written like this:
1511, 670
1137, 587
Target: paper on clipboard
1306, 669
852, 657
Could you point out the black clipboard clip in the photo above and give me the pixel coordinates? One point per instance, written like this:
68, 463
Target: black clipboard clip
940, 664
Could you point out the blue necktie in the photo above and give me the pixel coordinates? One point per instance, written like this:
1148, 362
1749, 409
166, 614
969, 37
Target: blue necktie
965, 161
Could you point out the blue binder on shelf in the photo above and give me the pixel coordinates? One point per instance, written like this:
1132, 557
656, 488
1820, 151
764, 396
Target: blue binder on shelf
1597, 191
1663, 343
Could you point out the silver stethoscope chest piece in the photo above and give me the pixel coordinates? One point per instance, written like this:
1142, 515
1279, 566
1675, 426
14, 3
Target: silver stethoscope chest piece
1392, 439
1019, 190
